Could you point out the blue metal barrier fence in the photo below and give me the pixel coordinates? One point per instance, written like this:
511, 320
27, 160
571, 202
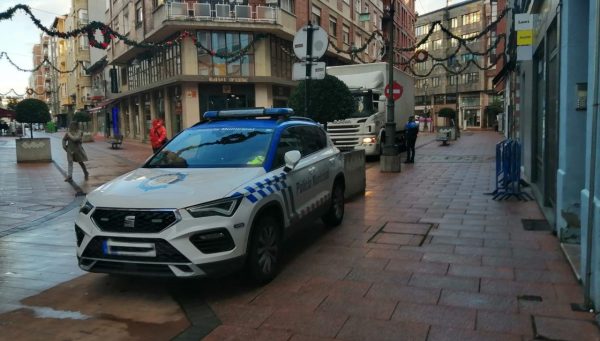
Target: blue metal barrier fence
508, 171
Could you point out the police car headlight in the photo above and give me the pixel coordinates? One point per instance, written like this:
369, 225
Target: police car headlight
222, 207
86, 207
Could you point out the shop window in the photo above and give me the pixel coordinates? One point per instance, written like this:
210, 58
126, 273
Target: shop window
225, 43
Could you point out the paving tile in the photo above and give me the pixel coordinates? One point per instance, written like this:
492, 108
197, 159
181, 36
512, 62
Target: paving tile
430, 248
407, 228
403, 293
545, 276
445, 282
408, 266
368, 329
519, 324
320, 324
437, 315
279, 298
478, 301
518, 263
514, 289
564, 329
377, 276
452, 258
481, 271
483, 251
236, 333
485, 235
453, 334
329, 286
457, 241
242, 315
395, 254
358, 306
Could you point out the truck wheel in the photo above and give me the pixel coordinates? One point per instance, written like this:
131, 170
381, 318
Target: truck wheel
263, 261
335, 213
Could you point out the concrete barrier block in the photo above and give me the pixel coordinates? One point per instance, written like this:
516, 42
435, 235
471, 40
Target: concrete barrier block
355, 172
34, 150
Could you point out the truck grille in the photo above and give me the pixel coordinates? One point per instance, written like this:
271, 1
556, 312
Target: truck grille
133, 221
342, 141
343, 128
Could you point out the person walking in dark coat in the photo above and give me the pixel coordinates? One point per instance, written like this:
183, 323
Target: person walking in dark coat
71, 143
411, 130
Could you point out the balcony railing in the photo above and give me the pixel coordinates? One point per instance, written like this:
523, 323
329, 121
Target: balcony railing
221, 12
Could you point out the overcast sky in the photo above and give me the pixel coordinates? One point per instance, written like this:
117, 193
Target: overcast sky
17, 36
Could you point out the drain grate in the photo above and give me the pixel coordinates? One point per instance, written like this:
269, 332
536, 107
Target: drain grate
533, 298
401, 233
536, 225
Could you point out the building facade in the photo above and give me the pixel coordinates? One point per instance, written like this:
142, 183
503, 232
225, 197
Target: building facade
78, 59
552, 90
180, 82
473, 88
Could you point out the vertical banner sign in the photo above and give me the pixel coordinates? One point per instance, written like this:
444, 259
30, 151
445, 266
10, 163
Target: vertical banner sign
525, 36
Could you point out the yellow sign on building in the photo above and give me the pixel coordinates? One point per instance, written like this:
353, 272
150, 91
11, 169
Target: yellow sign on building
524, 37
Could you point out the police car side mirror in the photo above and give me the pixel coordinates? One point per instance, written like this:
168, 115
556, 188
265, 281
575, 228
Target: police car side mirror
291, 159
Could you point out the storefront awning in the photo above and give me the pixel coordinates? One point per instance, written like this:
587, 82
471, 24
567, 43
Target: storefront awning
7, 113
101, 105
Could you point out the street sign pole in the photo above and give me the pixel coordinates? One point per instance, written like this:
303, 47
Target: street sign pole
309, 42
390, 160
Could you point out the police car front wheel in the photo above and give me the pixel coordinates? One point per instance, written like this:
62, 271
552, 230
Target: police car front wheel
264, 249
335, 214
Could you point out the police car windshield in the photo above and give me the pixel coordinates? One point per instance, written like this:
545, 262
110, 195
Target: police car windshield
213, 147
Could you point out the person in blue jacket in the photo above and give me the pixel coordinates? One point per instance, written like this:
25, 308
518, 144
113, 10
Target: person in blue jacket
411, 130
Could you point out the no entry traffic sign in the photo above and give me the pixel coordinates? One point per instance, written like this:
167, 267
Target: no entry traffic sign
397, 91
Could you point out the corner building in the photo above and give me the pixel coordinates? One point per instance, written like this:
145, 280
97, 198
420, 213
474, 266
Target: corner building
179, 83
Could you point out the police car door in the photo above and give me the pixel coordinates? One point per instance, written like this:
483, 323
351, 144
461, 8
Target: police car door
295, 194
315, 154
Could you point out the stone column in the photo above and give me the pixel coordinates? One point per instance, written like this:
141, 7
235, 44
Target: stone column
131, 132
263, 95
167, 104
190, 105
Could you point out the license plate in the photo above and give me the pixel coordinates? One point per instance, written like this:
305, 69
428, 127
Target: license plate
119, 248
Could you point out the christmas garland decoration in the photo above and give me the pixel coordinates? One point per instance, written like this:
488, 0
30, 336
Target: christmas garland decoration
109, 35
464, 67
11, 91
45, 61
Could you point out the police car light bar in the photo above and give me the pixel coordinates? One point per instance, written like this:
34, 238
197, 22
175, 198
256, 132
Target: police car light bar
254, 112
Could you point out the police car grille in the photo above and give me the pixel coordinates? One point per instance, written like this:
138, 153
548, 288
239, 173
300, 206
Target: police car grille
131, 221
165, 252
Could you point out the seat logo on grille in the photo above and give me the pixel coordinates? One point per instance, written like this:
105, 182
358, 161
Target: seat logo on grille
129, 221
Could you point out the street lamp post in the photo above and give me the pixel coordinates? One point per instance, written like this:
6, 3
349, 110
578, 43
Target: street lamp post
390, 158
457, 68
425, 112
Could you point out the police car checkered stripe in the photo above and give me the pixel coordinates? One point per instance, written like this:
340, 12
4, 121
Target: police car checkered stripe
264, 188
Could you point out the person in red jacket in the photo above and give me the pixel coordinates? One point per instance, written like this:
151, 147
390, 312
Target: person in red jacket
158, 135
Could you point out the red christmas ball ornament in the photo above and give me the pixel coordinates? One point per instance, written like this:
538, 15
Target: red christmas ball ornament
104, 45
212, 53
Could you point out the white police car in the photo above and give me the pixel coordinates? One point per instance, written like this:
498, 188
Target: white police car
220, 195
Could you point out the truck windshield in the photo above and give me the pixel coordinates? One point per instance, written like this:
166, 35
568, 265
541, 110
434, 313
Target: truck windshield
363, 105
215, 147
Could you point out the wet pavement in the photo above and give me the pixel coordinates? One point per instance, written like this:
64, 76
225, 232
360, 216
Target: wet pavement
424, 255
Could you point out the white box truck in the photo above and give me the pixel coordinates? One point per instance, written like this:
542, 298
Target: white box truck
365, 127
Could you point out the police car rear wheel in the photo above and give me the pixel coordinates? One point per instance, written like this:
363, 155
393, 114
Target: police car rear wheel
335, 214
264, 250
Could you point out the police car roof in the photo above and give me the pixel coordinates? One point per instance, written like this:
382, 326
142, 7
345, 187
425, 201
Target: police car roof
248, 113
254, 118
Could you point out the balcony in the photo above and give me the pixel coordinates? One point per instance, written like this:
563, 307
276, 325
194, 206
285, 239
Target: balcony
174, 16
